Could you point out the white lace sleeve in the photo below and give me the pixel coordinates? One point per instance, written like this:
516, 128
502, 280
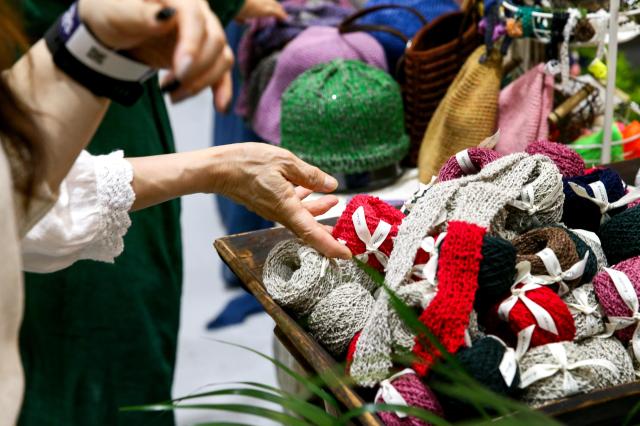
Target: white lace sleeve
89, 219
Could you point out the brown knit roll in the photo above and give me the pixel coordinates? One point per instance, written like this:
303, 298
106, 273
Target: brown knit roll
431, 63
466, 116
557, 239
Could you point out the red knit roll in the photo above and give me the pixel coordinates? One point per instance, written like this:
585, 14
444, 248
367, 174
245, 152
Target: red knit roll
351, 351
375, 210
520, 317
447, 316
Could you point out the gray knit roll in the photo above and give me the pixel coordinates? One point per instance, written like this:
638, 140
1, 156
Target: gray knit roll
339, 316
297, 277
588, 378
416, 295
588, 319
480, 199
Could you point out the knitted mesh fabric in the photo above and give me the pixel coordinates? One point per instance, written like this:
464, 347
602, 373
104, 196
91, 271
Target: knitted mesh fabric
582, 248
587, 325
546, 184
404, 21
497, 271
479, 198
466, 115
595, 245
520, 317
610, 299
416, 295
566, 159
416, 394
584, 214
588, 378
314, 46
619, 235
375, 210
524, 106
351, 350
297, 277
339, 316
480, 157
554, 238
344, 117
447, 317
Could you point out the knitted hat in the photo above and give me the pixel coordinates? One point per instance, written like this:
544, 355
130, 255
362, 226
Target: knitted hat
297, 277
582, 213
466, 115
587, 313
404, 21
480, 199
591, 156
482, 361
315, 45
467, 162
532, 304
568, 161
524, 106
619, 235
405, 388
344, 117
594, 364
267, 35
339, 316
617, 298
367, 226
255, 86
542, 247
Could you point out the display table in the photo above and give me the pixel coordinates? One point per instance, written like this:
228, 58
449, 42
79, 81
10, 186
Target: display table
246, 253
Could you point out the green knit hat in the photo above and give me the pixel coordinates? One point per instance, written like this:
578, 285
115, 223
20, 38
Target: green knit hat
344, 117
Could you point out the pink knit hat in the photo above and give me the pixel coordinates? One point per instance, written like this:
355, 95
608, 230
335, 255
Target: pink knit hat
523, 109
315, 45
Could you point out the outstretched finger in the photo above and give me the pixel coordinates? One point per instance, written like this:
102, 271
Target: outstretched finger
302, 223
321, 205
302, 192
304, 174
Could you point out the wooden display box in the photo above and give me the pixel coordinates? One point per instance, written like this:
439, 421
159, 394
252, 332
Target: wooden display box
246, 253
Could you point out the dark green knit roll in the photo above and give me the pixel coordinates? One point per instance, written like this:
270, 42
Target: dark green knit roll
591, 268
497, 271
344, 117
620, 236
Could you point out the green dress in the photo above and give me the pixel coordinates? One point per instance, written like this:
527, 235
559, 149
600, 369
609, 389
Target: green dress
96, 336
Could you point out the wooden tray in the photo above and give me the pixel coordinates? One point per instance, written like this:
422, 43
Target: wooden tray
246, 253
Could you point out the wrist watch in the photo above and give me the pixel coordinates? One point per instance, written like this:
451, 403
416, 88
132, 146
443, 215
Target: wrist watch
103, 71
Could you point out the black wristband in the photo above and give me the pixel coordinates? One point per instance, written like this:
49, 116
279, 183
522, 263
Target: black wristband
103, 71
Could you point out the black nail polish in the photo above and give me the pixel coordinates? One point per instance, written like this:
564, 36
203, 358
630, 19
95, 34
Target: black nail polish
171, 86
165, 14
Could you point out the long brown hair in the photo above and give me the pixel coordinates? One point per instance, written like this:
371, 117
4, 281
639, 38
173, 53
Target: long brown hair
17, 132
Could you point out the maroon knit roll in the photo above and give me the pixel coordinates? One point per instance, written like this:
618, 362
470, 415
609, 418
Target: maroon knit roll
480, 157
416, 394
568, 161
609, 297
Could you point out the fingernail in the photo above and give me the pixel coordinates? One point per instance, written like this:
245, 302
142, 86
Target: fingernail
165, 14
330, 183
184, 63
170, 86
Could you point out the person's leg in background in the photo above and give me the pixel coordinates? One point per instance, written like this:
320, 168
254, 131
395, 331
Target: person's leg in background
230, 128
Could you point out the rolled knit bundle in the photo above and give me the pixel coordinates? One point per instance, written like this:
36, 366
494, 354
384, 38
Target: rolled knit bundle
351, 351
612, 300
582, 248
497, 271
297, 277
467, 162
360, 235
531, 244
339, 316
413, 393
582, 213
566, 159
587, 312
593, 241
619, 236
551, 312
603, 363
540, 201
417, 295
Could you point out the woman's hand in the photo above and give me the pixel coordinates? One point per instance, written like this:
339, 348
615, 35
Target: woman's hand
273, 182
261, 9
184, 36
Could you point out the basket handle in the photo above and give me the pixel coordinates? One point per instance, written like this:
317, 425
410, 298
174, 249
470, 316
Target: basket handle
349, 25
